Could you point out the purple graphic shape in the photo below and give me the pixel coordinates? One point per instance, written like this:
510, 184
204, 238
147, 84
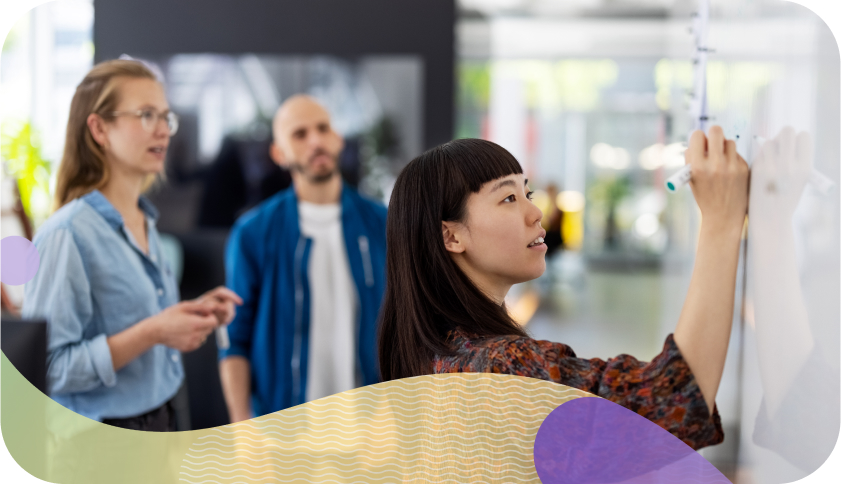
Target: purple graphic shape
595, 441
19, 260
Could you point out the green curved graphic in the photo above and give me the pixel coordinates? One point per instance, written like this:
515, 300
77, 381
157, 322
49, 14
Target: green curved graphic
467, 427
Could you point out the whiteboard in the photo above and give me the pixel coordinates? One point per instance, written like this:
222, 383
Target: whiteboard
768, 73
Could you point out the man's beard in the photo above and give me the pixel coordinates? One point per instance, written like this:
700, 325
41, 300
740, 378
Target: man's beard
316, 179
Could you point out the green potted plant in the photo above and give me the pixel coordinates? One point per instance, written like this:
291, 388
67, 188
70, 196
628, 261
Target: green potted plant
23, 161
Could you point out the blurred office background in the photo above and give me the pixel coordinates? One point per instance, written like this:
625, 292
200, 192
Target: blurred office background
592, 96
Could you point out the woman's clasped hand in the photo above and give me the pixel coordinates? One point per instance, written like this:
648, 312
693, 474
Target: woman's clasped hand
185, 326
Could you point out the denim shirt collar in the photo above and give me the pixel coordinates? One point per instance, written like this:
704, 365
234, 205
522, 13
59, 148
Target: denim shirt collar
101, 204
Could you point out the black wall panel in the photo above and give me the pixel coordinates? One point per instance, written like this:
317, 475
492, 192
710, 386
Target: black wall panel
344, 28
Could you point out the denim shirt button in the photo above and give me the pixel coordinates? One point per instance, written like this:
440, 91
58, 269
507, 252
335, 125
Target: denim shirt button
160, 292
175, 357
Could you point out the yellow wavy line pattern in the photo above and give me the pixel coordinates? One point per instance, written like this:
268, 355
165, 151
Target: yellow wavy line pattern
467, 427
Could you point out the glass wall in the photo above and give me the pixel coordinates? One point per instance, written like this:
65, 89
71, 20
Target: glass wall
218, 165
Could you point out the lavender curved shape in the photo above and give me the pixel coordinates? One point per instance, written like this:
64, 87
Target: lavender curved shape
595, 441
20, 260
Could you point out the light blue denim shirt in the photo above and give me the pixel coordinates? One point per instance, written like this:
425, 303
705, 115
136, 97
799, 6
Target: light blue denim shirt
94, 282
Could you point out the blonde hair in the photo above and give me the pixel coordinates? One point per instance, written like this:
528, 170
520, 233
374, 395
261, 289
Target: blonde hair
83, 165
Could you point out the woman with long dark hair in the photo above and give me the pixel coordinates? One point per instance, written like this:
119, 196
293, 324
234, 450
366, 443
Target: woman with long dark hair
462, 230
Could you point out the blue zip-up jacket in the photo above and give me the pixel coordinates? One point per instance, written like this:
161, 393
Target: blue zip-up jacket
266, 262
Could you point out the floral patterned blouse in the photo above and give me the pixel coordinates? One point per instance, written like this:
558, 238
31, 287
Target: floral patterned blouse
664, 390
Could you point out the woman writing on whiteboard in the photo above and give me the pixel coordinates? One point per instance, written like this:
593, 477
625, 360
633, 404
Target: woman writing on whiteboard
116, 328
462, 230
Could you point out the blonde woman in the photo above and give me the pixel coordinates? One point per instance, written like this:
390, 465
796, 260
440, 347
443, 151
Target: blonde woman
116, 328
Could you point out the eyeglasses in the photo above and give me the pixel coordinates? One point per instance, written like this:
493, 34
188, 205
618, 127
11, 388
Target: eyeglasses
149, 119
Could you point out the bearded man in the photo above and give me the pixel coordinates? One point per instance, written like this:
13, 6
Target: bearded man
309, 264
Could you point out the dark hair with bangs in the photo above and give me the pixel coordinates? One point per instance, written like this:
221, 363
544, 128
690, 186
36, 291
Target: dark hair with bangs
426, 294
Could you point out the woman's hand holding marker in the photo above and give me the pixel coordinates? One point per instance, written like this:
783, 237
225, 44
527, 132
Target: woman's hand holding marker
719, 180
818, 180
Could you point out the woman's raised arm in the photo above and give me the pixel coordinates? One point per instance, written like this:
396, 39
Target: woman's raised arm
720, 186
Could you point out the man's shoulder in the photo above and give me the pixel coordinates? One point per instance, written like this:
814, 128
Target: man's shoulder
367, 206
265, 214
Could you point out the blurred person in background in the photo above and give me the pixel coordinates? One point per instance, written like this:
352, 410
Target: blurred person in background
310, 265
553, 223
115, 326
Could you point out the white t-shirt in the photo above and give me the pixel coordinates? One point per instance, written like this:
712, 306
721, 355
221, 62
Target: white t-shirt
331, 365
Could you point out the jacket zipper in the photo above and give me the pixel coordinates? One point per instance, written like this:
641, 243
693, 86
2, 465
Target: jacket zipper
299, 322
366, 261
368, 269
